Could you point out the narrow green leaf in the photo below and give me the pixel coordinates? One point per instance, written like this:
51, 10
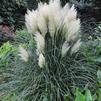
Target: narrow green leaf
88, 95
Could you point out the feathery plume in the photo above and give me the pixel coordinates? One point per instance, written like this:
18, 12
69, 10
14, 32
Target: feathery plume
40, 42
55, 5
72, 13
31, 21
23, 54
54, 9
64, 11
42, 24
41, 60
65, 48
72, 30
76, 46
43, 13
52, 26
71, 23
44, 9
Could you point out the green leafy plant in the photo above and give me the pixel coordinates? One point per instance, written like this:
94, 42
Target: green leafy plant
9, 97
92, 47
87, 96
6, 54
83, 97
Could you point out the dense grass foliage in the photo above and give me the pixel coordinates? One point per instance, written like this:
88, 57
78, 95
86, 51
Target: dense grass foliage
48, 62
51, 65
90, 50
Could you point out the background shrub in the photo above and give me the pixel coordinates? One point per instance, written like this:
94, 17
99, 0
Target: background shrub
12, 11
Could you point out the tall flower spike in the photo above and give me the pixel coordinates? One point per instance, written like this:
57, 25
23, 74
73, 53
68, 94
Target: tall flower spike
55, 5
52, 26
23, 54
41, 60
40, 42
61, 15
54, 8
72, 30
31, 21
64, 11
44, 9
71, 24
76, 46
72, 13
42, 23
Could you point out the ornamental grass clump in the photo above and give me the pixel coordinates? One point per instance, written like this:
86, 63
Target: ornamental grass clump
55, 30
52, 66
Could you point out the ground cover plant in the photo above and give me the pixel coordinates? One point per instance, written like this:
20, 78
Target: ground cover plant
6, 55
9, 97
52, 65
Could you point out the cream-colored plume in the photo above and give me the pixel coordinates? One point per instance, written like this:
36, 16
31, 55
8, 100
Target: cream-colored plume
72, 13
76, 46
43, 10
54, 9
42, 24
41, 60
23, 54
65, 48
73, 30
51, 17
31, 21
40, 42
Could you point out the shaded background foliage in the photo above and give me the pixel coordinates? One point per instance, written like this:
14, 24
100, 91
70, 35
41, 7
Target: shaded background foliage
12, 12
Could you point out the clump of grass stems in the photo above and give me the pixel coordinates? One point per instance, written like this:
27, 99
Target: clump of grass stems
53, 65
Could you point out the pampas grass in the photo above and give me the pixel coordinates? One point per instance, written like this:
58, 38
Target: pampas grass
23, 54
56, 66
